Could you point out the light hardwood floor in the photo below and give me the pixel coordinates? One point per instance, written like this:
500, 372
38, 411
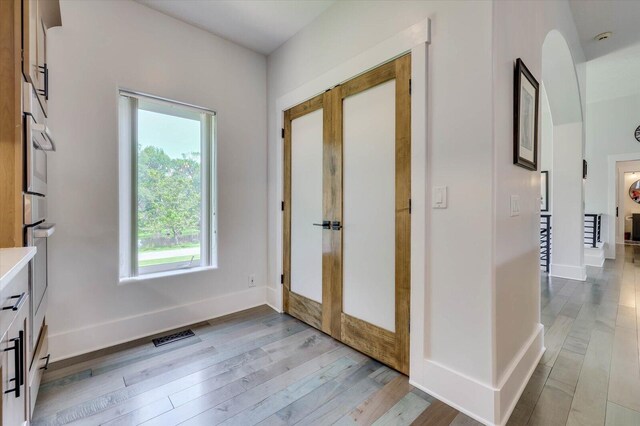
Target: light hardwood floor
253, 367
260, 367
590, 373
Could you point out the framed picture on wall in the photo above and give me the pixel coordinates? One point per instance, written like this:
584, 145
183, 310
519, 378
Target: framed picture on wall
525, 118
544, 191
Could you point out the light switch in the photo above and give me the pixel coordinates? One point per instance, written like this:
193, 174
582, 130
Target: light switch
515, 205
439, 197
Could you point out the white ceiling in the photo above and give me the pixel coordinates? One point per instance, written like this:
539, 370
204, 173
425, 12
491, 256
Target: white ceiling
613, 65
614, 75
593, 17
260, 25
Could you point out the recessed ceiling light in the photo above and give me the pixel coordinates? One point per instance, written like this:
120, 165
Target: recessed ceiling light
603, 36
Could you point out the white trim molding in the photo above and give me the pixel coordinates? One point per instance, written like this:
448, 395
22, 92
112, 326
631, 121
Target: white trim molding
480, 401
71, 343
578, 273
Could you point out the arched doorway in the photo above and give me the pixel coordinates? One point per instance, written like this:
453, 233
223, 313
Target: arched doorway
562, 137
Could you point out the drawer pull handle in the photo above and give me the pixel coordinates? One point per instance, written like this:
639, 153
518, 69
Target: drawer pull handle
46, 366
18, 303
19, 379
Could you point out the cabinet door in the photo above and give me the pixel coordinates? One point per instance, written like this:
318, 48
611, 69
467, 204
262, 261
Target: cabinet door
13, 355
34, 35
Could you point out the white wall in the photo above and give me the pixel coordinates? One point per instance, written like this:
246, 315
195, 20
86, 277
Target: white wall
105, 45
546, 145
568, 228
520, 28
610, 130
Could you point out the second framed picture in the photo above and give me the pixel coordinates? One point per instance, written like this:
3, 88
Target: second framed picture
544, 191
525, 119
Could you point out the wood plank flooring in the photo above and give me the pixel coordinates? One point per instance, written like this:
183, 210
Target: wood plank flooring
261, 367
590, 374
252, 367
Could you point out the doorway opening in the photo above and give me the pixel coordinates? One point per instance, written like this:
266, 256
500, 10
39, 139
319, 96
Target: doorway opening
628, 202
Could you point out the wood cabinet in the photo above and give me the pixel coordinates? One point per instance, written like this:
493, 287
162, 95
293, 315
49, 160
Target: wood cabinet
11, 152
23, 57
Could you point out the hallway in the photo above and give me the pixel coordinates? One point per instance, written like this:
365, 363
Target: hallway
590, 373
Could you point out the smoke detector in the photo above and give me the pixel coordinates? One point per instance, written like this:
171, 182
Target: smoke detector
603, 36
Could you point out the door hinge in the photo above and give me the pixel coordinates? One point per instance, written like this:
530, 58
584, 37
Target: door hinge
282, 206
281, 278
283, 133
409, 205
409, 86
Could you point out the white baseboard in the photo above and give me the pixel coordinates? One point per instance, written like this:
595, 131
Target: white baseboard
594, 256
71, 343
578, 273
273, 299
519, 372
478, 400
463, 393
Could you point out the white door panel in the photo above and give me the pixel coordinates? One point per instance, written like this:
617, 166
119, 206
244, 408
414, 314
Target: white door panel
306, 205
369, 205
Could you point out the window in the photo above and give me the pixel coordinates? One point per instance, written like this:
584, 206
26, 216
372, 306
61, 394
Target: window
167, 182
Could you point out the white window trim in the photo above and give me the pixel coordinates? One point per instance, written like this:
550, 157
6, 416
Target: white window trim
128, 241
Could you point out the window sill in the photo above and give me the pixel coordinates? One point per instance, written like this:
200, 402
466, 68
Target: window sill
164, 274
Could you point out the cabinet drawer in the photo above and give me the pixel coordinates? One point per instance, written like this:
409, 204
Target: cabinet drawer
14, 366
40, 363
12, 298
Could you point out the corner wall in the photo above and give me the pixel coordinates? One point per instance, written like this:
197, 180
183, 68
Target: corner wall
103, 46
519, 30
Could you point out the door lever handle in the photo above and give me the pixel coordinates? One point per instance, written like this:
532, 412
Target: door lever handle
325, 224
336, 226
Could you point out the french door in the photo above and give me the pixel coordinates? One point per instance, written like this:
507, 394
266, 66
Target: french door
347, 177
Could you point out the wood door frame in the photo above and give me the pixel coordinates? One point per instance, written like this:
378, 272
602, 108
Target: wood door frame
392, 348
294, 304
416, 39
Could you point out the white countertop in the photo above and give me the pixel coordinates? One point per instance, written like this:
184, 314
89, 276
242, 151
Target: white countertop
12, 260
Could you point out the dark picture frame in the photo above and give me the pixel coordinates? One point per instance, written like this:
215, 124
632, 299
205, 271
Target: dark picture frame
526, 95
544, 191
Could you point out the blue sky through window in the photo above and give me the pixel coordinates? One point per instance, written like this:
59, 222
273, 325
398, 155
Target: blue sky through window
174, 135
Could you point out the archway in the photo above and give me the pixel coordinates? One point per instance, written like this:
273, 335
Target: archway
562, 133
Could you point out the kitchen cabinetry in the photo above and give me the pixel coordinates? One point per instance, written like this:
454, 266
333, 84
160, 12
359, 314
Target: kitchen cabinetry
23, 57
13, 346
14, 333
37, 17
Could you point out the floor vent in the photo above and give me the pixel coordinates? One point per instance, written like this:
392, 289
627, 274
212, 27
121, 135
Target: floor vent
164, 340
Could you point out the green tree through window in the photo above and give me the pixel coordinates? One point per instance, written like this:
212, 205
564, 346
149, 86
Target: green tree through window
169, 201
